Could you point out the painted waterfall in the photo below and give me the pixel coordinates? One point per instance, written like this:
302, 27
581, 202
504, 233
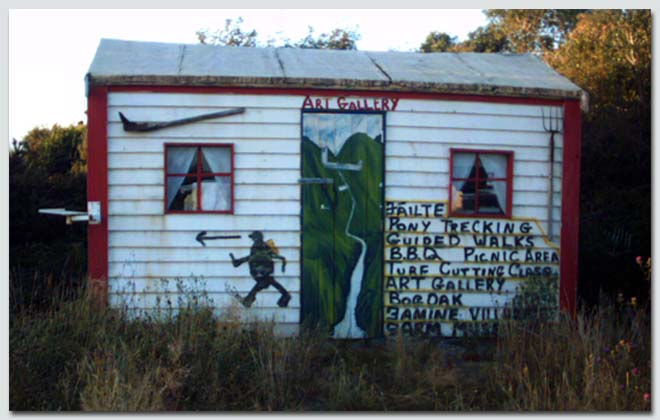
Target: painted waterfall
342, 239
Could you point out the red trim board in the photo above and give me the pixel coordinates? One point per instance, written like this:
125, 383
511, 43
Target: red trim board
570, 207
97, 190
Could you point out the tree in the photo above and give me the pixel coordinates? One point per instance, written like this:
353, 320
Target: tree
533, 30
520, 30
608, 54
230, 35
47, 170
338, 39
488, 39
233, 35
438, 42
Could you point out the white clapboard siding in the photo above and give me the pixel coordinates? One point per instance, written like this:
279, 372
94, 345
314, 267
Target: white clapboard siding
241, 145
473, 136
241, 161
153, 254
199, 253
210, 222
434, 193
200, 285
155, 208
251, 116
438, 180
265, 299
186, 239
440, 165
536, 212
221, 131
246, 192
283, 319
159, 100
241, 176
150, 250
189, 270
472, 108
402, 148
460, 121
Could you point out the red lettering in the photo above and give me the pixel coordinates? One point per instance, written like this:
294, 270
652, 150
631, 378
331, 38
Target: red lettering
327, 103
386, 104
319, 104
395, 102
366, 105
308, 102
352, 106
377, 104
341, 102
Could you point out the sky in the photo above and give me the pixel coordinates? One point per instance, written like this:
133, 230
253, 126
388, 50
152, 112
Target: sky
51, 50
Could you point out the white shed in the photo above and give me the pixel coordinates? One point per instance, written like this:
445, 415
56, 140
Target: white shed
368, 192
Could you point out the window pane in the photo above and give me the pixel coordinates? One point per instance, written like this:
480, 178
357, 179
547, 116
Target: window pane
181, 193
462, 197
216, 159
216, 193
463, 164
181, 160
494, 165
492, 198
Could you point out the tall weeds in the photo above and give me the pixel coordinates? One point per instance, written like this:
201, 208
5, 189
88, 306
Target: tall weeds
78, 357
599, 361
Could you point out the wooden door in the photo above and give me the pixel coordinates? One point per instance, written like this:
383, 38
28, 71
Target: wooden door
342, 241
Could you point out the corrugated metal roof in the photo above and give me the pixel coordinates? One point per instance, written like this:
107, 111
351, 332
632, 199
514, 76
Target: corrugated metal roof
158, 64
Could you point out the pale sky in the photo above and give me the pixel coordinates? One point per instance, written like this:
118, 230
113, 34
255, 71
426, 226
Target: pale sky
51, 50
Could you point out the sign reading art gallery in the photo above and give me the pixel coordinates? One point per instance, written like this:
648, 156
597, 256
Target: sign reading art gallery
350, 104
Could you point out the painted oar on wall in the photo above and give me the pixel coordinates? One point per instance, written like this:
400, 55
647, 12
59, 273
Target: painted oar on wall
201, 237
157, 125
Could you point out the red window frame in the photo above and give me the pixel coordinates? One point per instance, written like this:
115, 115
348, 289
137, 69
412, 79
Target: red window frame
199, 175
509, 183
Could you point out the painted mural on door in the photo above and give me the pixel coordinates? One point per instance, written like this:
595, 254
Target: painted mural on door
342, 243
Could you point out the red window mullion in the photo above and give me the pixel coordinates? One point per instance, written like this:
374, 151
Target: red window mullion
199, 179
231, 179
476, 185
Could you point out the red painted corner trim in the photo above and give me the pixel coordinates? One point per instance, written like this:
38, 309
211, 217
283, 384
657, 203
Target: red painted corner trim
570, 209
97, 190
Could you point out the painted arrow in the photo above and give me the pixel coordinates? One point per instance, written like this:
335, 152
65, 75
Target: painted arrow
157, 125
201, 237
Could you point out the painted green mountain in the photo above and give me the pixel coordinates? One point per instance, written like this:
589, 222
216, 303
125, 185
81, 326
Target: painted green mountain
329, 255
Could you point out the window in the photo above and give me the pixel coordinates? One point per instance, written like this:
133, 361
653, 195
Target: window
189, 166
481, 183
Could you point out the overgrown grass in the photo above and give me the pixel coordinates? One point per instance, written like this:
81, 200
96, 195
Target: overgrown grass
77, 357
600, 361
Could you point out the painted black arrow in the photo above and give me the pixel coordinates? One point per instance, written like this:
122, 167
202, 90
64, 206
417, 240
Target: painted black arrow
201, 237
157, 125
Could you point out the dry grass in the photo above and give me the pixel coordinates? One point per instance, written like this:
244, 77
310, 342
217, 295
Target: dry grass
76, 357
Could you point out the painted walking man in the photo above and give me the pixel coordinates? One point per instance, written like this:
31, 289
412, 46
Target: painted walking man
261, 266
